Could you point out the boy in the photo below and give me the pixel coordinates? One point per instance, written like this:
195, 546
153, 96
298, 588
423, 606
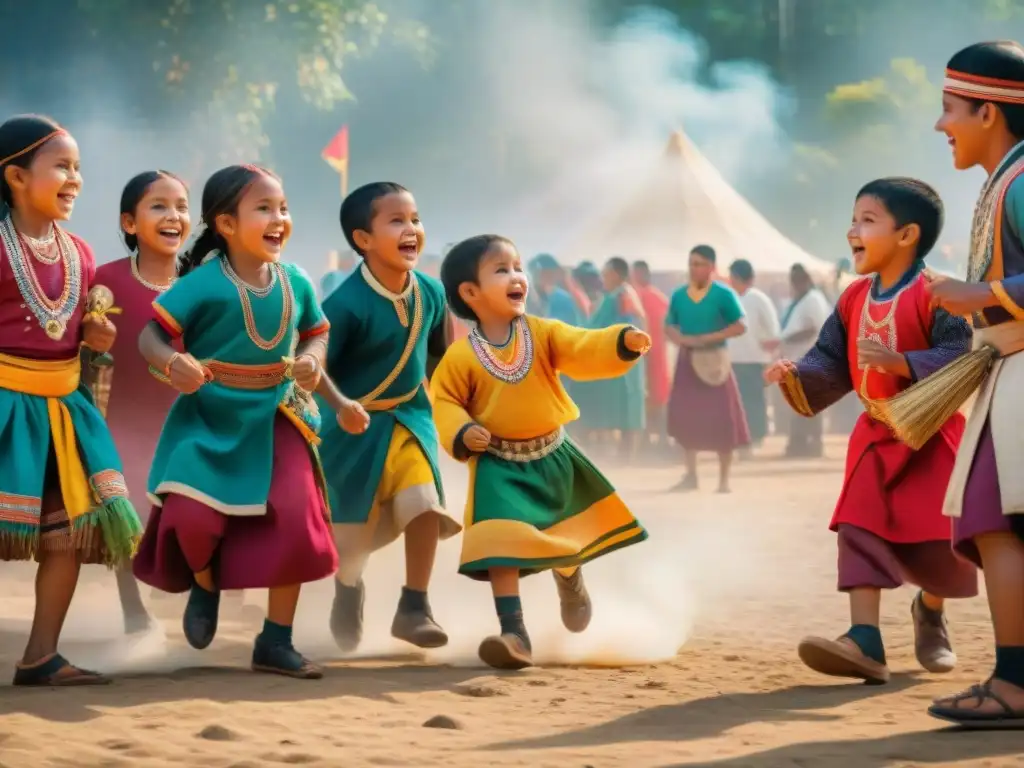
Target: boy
535, 501
983, 116
382, 475
882, 336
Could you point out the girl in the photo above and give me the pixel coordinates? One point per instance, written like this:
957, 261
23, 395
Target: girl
154, 224
63, 499
238, 501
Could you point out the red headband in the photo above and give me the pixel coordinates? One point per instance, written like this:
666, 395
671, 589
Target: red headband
983, 88
33, 145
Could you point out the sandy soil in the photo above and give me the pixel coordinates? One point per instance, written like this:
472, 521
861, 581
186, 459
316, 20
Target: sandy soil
731, 582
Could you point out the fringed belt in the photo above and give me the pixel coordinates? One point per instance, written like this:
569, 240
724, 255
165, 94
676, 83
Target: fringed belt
526, 450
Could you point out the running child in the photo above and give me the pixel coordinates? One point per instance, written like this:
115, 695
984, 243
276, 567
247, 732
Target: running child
63, 500
535, 502
155, 224
238, 502
388, 322
881, 337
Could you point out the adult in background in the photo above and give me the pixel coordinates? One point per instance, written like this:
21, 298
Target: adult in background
659, 380
801, 322
704, 410
752, 352
547, 296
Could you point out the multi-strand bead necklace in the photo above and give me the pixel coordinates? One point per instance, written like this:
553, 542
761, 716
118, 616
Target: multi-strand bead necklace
515, 370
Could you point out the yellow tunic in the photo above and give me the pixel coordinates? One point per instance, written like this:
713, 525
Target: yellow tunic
543, 504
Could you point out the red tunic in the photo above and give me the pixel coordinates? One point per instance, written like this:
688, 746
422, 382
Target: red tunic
659, 380
138, 403
20, 332
890, 489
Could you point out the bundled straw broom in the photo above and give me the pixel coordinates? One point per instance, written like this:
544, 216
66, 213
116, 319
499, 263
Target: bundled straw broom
919, 411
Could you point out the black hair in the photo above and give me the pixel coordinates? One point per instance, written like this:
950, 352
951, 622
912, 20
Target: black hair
642, 267
462, 265
910, 201
999, 60
742, 269
705, 252
619, 266
21, 137
132, 195
799, 271
221, 194
358, 209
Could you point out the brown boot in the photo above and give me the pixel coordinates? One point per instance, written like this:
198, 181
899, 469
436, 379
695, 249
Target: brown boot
841, 658
505, 651
932, 646
576, 607
417, 626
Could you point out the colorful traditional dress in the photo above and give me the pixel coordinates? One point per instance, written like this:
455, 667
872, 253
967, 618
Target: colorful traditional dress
61, 485
986, 491
380, 343
659, 381
134, 402
535, 501
704, 410
235, 481
750, 358
889, 514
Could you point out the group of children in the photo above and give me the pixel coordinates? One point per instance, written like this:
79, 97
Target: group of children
895, 327
211, 389
224, 363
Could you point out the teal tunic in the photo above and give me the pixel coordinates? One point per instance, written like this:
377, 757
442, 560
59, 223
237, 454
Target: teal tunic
217, 443
617, 403
366, 346
718, 309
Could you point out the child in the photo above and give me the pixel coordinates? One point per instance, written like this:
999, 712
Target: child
882, 336
535, 501
154, 224
983, 116
63, 499
388, 319
234, 481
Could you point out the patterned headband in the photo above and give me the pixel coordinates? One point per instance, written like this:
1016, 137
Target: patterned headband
33, 145
984, 88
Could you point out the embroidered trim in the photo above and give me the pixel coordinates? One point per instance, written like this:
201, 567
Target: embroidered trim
1007, 303
870, 329
516, 369
246, 376
108, 485
983, 225
277, 274
410, 346
400, 301
986, 88
527, 450
15, 508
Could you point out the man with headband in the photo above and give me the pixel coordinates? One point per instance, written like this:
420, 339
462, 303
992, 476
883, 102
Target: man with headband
983, 117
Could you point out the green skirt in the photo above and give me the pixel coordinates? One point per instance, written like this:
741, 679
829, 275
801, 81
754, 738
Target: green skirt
556, 511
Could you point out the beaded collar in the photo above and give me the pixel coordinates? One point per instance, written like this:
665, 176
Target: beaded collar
516, 369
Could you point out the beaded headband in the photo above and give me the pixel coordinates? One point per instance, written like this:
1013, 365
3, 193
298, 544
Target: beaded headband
33, 145
984, 88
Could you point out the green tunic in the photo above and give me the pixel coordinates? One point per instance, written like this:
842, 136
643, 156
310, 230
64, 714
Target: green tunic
217, 443
366, 347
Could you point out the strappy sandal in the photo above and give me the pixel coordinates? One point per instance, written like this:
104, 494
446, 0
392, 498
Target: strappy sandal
55, 671
970, 718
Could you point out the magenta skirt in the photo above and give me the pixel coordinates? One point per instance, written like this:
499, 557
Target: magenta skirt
702, 417
291, 544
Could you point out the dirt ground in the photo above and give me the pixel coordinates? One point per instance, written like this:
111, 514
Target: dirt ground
732, 582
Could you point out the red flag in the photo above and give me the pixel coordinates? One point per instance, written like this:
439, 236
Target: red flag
335, 154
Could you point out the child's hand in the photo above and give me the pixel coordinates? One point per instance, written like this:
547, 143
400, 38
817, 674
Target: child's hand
306, 372
98, 333
186, 374
871, 354
476, 438
637, 341
778, 371
353, 418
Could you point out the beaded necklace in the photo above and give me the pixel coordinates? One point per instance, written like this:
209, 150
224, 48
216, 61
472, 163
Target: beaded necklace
277, 273
516, 369
134, 259
53, 315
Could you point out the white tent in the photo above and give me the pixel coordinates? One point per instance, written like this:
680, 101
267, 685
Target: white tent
682, 202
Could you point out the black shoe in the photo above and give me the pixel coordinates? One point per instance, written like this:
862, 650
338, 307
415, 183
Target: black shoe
347, 615
201, 614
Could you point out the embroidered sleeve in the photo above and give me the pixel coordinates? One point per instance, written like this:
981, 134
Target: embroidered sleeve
175, 309
950, 338
311, 320
823, 374
450, 389
586, 354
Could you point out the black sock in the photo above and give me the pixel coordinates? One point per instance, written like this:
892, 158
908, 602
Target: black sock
510, 614
869, 640
412, 600
276, 634
1010, 664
